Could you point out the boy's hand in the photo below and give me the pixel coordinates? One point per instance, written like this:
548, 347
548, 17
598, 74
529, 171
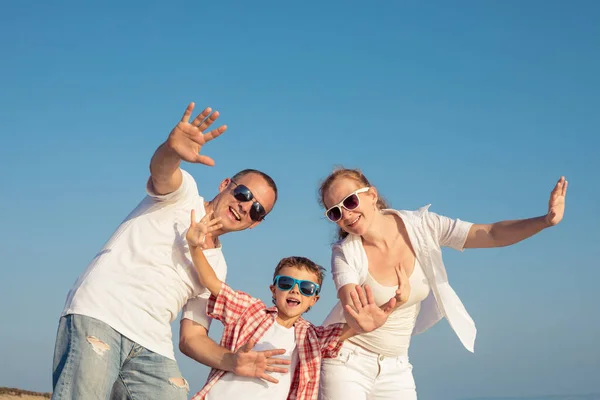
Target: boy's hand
368, 315
198, 231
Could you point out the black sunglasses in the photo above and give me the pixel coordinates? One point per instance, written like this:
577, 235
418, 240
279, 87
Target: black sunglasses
243, 194
307, 288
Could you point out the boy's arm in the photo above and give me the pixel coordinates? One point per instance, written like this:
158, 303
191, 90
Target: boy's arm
196, 235
205, 273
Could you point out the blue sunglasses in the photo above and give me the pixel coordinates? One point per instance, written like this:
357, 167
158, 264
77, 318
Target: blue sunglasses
307, 288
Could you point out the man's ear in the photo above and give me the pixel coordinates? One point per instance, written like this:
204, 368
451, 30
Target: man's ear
224, 184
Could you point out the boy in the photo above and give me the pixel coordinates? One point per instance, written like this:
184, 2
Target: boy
296, 285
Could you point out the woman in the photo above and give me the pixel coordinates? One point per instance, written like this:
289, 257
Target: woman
398, 252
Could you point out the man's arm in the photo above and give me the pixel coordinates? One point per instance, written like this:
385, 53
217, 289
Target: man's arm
195, 343
184, 143
506, 233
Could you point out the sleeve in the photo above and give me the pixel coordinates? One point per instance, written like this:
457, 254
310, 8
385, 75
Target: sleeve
329, 339
229, 305
449, 232
195, 310
187, 189
341, 270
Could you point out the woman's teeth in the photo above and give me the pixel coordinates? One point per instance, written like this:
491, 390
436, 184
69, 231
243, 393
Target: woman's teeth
355, 221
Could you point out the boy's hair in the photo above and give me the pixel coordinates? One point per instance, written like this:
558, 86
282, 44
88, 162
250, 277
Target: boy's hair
304, 263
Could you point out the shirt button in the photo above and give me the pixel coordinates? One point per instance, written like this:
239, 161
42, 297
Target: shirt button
380, 358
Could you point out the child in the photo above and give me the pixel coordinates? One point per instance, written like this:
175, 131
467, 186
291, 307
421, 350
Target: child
296, 285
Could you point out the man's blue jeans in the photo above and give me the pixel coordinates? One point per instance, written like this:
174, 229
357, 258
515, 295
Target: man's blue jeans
93, 361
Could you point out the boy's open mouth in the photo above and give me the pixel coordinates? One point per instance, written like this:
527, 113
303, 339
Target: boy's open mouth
293, 302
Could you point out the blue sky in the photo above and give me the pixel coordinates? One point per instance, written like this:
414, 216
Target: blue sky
475, 107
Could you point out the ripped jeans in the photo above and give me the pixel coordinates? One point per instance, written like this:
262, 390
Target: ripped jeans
93, 361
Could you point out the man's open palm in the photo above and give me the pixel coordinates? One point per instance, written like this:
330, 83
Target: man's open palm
187, 138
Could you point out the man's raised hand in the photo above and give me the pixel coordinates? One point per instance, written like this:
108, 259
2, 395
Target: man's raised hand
187, 138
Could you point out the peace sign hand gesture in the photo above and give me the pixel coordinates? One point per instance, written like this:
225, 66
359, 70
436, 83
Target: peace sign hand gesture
556, 204
187, 139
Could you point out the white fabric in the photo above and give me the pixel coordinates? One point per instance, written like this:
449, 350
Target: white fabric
393, 338
231, 386
144, 275
427, 232
357, 374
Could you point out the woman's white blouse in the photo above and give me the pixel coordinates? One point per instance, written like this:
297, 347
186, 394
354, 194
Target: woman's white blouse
427, 232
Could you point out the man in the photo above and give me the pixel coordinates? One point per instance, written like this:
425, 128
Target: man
114, 337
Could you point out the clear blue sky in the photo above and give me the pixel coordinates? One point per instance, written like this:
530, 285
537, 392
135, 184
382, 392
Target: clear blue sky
476, 107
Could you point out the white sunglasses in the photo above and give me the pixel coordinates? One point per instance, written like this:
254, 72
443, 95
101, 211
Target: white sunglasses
350, 202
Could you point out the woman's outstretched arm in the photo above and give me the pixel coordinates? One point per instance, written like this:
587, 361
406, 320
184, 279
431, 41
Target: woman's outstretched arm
505, 233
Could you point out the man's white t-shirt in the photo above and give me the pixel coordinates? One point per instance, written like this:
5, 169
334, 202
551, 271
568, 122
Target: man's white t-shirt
144, 275
231, 386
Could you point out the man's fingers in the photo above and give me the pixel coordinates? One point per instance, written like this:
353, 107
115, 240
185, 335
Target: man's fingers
193, 217
188, 112
564, 188
268, 378
206, 160
200, 117
276, 369
248, 346
208, 121
278, 361
272, 353
208, 136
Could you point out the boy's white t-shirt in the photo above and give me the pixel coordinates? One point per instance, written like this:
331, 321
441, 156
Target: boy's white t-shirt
231, 386
144, 275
